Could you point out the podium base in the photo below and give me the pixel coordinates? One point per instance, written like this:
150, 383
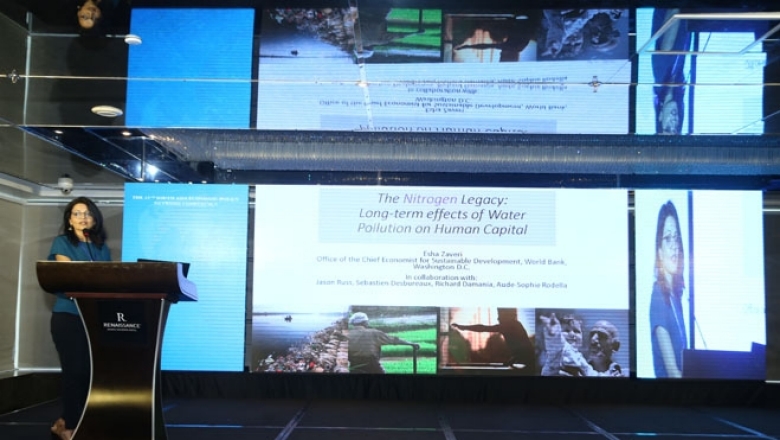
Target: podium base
124, 401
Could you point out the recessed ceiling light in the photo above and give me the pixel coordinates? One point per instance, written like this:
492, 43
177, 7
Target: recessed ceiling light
126, 133
58, 131
107, 111
132, 40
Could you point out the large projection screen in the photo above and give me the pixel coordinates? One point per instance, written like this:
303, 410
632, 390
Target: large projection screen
192, 72
448, 280
514, 70
700, 302
206, 226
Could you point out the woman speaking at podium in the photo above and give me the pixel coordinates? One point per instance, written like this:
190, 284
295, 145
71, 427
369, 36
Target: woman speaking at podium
82, 239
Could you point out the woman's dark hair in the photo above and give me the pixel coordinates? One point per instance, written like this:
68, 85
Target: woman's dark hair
678, 281
97, 234
99, 28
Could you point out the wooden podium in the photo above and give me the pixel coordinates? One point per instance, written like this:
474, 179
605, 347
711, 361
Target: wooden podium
124, 307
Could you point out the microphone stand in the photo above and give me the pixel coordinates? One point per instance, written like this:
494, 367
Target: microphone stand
87, 243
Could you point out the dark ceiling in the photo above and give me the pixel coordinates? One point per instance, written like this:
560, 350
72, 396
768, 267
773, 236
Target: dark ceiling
62, 89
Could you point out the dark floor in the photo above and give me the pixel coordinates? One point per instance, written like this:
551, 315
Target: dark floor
258, 419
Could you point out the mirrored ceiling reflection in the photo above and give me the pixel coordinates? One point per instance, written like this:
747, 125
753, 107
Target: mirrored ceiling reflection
424, 70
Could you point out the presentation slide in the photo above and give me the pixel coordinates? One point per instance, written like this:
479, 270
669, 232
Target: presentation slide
433, 280
440, 71
700, 304
717, 91
191, 70
206, 226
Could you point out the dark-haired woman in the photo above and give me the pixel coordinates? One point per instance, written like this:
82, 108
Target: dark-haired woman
669, 73
667, 322
82, 239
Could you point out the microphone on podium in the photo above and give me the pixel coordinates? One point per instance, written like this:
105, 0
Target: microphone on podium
86, 233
